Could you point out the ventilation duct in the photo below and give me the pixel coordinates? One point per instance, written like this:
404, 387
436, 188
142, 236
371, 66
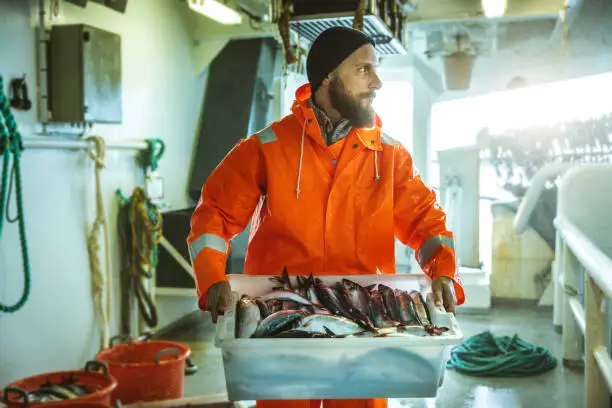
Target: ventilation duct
382, 20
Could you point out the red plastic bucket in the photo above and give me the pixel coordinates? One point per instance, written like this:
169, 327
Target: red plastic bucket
149, 370
99, 387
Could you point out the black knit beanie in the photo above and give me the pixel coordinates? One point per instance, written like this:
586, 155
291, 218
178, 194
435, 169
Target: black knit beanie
328, 51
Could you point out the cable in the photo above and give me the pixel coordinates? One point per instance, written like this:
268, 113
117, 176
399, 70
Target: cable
485, 355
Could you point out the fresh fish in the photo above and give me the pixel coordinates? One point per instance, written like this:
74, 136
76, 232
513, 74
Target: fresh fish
285, 295
303, 334
278, 322
248, 316
264, 310
407, 310
283, 281
338, 325
358, 295
378, 313
329, 299
273, 305
421, 308
354, 313
311, 292
390, 302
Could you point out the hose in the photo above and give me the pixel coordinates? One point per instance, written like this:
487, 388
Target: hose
11, 142
485, 355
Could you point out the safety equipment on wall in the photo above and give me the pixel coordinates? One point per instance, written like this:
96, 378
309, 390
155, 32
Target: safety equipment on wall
11, 143
140, 231
101, 284
150, 161
19, 94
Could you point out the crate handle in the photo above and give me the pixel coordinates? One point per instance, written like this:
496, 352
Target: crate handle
171, 350
15, 390
121, 338
96, 365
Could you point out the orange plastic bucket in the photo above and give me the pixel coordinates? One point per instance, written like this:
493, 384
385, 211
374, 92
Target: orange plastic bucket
99, 386
149, 370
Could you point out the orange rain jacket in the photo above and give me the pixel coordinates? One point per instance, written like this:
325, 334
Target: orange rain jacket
331, 210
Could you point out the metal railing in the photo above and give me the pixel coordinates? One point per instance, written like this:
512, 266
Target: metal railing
584, 277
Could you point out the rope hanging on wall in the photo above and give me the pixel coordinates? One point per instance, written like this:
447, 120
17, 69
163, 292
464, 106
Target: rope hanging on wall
100, 280
11, 144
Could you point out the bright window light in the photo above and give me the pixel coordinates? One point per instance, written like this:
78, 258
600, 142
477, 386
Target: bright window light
216, 11
457, 123
393, 103
494, 8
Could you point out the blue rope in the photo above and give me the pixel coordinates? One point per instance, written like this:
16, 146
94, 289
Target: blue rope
485, 355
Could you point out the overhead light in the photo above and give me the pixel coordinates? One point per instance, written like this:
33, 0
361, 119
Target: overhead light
216, 11
494, 8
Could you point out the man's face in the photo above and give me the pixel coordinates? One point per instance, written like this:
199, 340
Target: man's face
352, 87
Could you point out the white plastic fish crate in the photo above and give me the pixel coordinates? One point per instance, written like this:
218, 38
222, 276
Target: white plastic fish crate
334, 368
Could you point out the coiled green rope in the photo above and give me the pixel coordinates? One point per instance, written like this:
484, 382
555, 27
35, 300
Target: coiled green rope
485, 355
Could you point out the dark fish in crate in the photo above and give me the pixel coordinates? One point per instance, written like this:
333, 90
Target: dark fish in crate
421, 308
407, 310
278, 322
390, 302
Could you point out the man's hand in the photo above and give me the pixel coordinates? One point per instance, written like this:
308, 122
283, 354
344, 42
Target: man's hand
442, 288
218, 298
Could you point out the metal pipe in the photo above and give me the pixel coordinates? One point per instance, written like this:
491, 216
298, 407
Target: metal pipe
43, 107
39, 143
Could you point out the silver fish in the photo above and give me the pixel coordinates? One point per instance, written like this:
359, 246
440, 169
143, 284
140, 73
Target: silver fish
278, 322
390, 302
421, 308
248, 316
329, 299
284, 295
407, 310
378, 312
322, 323
358, 295
354, 313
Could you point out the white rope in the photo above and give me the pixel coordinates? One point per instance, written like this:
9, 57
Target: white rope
100, 284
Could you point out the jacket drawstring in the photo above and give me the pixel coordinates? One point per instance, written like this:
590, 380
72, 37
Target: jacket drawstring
376, 165
297, 187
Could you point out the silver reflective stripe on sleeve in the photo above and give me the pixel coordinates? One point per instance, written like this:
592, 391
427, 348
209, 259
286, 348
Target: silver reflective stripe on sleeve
211, 241
429, 248
267, 135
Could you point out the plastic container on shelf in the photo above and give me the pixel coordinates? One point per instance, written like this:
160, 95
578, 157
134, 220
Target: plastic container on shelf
326, 368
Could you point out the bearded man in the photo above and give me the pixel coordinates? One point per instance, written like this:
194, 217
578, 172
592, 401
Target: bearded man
327, 192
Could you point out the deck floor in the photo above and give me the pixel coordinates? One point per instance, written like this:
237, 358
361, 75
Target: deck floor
560, 387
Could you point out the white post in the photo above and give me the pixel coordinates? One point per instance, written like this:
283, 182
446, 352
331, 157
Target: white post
573, 339
557, 289
597, 393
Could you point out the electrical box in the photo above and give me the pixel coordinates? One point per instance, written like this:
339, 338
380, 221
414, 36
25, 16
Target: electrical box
84, 75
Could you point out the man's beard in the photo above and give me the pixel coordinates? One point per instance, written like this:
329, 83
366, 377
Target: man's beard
349, 106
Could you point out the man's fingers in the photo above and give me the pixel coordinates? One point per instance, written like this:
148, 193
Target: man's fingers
437, 291
211, 305
222, 303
